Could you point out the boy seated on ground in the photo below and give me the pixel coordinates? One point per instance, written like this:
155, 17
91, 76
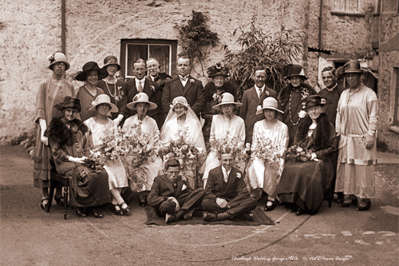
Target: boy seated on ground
226, 195
171, 196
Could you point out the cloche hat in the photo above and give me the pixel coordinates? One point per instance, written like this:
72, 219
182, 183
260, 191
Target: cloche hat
352, 66
141, 97
315, 100
88, 67
268, 103
103, 98
111, 60
226, 98
294, 71
218, 70
56, 58
69, 102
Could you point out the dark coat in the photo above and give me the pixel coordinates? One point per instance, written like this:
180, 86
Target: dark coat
159, 114
131, 91
234, 191
193, 92
250, 102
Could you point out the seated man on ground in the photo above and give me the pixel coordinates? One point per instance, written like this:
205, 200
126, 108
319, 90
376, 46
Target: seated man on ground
171, 196
226, 195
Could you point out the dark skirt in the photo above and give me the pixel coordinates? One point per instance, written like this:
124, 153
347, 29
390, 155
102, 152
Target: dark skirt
90, 191
41, 166
305, 183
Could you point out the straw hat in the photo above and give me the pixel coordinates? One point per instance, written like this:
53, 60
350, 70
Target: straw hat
352, 66
141, 97
103, 98
111, 61
56, 58
226, 98
294, 71
69, 102
268, 103
88, 67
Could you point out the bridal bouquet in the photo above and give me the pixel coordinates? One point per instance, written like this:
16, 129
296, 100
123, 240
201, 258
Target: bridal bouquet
235, 145
296, 152
266, 150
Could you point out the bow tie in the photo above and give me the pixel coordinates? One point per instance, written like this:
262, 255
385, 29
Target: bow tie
183, 78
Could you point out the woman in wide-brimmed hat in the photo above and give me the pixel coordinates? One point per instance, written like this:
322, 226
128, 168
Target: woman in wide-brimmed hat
69, 149
265, 176
305, 183
291, 98
217, 85
99, 126
356, 123
112, 86
148, 125
90, 75
52, 91
226, 125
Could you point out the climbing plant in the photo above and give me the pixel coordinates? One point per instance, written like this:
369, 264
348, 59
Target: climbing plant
196, 38
260, 49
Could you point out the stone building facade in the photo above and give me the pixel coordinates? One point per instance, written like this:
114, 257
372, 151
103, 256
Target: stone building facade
31, 30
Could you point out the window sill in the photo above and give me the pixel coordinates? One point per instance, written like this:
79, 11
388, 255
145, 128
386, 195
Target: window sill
334, 13
394, 129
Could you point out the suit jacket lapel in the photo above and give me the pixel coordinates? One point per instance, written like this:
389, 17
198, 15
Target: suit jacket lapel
221, 179
188, 85
179, 187
168, 183
254, 94
231, 179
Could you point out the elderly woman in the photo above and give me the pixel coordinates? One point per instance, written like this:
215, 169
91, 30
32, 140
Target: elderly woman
303, 184
89, 91
292, 98
113, 87
99, 126
356, 123
262, 175
213, 90
224, 126
69, 148
182, 117
52, 91
148, 125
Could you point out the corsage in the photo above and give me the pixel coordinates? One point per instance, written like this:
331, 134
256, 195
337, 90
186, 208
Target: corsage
192, 81
238, 175
152, 88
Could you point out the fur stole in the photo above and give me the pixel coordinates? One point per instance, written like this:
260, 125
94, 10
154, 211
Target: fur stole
322, 134
210, 89
58, 131
284, 94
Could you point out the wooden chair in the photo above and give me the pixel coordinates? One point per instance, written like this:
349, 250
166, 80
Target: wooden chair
58, 180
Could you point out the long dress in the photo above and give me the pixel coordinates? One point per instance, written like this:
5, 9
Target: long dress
115, 93
88, 188
49, 94
306, 183
223, 127
116, 172
356, 117
267, 175
148, 126
86, 98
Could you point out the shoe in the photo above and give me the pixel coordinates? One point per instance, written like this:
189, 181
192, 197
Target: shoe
81, 212
125, 208
209, 217
364, 208
169, 218
59, 200
142, 201
339, 197
118, 210
198, 213
299, 211
45, 204
270, 205
348, 202
188, 215
249, 216
97, 212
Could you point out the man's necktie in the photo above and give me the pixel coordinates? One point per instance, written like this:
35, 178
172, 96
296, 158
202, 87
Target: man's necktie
140, 88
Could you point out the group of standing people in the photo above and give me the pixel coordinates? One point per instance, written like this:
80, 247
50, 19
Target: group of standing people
338, 126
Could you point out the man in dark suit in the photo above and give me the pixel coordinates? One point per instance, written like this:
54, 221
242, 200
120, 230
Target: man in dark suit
252, 98
159, 114
184, 85
226, 193
171, 196
138, 84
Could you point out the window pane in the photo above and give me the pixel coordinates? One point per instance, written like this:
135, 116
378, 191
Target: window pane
340, 5
134, 52
389, 6
161, 53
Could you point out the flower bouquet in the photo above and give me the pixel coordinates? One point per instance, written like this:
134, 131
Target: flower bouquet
186, 152
140, 150
296, 152
266, 150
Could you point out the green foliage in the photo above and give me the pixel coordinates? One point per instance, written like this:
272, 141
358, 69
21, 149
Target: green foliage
260, 49
196, 37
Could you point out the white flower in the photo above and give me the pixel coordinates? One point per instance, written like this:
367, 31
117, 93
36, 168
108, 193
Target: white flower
152, 88
238, 175
50, 57
183, 187
302, 114
192, 80
258, 108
